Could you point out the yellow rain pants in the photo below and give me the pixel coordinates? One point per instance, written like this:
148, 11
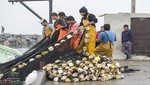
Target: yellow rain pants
91, 39
104, 49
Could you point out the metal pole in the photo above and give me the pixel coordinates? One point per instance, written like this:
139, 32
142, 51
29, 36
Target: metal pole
31, 10
50, 10
133, 6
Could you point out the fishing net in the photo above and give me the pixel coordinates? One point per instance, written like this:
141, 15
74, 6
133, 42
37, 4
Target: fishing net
47, 50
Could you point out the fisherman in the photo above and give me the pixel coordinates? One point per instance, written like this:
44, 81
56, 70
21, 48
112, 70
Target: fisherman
73, 27
107, 39
97, 33
2, 30
62, 15
127, 42
47, 28
87, 43
60, 27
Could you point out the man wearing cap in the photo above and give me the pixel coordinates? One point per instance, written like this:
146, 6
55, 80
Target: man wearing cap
47, 29
88, 20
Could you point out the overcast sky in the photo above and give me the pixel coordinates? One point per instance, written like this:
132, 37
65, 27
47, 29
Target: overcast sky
18, 20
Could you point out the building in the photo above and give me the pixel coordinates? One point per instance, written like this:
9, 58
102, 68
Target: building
140, 26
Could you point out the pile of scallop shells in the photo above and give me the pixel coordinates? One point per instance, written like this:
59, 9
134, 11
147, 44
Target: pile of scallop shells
93, 68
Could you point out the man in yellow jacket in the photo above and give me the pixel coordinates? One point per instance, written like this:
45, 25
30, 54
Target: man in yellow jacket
88, 21
47, 28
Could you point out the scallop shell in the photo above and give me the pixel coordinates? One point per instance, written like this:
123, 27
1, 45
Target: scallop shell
78, 62
97, 58
91, 65
86, 40
81, 27
44, 52
84, 59
60, 71
55, 66
38, 56
20, 66
75, 80
31, 60
81, 76
67, 80
69, 36
63, 78
87, 62
74, 74
87, 35
13, 69
56, 79
84, 49
62, 41
57, 44
85, 68
80, 70
70, 64
51, 48
87, 28
57, 61
64, 65
1, 75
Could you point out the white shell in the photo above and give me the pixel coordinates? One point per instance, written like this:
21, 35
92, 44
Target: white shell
81, 76
87, 35
57, 61
32, 59
51, 48
69, 36
81, 27
75, 74
85, 68
87, 77
92, 70
91, 65
117, 64
56, 79
87, 28
63, 78
60, 71
75, 32
86, 40
70, 64
78, 62
80, 70
122, 76
57, 44
62, 41
75, 79
109, 65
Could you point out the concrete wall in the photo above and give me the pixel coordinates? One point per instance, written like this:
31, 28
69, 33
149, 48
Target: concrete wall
117, 21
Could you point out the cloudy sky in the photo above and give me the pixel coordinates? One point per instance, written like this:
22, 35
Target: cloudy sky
18, 20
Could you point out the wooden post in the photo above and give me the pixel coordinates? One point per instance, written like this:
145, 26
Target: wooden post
50, 10
133, 6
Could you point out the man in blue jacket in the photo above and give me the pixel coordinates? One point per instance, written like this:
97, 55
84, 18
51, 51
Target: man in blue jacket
127, 42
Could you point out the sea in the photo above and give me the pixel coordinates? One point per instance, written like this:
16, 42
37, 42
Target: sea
4, 58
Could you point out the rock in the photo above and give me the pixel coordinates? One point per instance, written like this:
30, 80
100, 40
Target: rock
2, 39
24, 43
11, 39
6, 43
7, 35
